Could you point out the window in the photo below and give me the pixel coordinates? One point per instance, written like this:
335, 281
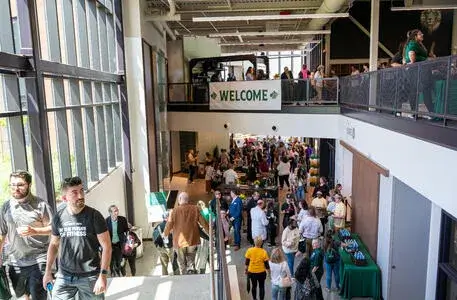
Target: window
82, 114
447, 264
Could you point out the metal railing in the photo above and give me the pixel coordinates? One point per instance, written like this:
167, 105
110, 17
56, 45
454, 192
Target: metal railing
426, 90
219, 277
293, 91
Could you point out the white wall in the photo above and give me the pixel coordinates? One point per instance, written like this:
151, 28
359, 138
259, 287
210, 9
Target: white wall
422, 166
343, 168
133, 34
208, 140
385, 231
324, 126
199, 46
111, 190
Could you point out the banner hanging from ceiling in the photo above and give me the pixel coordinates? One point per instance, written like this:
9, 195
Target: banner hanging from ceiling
245, 95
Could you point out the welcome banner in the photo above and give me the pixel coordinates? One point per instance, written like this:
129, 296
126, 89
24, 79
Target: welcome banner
245, 95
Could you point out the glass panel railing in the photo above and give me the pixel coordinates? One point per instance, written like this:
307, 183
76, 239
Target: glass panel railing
425, 90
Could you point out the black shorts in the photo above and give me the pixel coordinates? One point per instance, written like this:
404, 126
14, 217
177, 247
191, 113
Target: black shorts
28, 281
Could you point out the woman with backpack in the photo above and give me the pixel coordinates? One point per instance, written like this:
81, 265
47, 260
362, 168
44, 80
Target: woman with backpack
331, 261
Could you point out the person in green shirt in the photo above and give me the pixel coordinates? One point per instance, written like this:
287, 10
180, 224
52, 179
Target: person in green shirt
414, 44
415, 51
316, 265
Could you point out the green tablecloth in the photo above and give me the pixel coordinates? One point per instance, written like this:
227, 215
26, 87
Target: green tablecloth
363, 281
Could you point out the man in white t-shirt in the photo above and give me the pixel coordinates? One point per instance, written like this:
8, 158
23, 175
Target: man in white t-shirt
230, 175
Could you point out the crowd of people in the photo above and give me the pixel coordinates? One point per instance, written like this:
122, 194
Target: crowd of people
308, 234
285, 164
65, 252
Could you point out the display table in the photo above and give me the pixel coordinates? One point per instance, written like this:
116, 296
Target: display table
359, 281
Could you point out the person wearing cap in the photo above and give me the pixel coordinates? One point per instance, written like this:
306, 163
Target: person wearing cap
319, 202
259, 221
165, 247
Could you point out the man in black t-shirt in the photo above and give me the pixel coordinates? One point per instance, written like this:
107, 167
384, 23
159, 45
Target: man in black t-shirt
80, 231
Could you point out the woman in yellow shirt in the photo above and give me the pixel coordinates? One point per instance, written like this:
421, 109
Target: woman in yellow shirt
257, 267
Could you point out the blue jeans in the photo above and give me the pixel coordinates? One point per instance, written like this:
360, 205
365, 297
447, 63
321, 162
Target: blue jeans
237, 231
335, 269
300, 193
279, 293
290, 262
66, 287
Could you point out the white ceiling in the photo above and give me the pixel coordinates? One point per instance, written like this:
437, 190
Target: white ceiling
185, 10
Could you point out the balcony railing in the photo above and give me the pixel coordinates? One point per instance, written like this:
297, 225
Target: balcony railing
293, 92
425, 90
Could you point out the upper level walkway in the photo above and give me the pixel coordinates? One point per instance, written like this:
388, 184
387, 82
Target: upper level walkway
419, 100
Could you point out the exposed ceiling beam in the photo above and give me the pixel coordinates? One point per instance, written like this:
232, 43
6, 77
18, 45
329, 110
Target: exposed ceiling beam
275, 33
269, 17
271, 42
423, 7
224, 10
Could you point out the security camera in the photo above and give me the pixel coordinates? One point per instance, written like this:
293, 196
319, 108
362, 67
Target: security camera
226, 125
274, 128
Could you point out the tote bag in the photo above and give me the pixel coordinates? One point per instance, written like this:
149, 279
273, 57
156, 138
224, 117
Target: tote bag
285, 281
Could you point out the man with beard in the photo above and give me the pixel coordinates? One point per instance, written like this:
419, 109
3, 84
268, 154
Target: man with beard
80, 232
25, 221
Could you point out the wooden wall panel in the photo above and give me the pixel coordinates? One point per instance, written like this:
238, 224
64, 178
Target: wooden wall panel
365, 202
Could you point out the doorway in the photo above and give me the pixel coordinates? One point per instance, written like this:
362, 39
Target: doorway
410, 240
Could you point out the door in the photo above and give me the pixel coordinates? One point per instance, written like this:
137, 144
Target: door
187, 141
410, 240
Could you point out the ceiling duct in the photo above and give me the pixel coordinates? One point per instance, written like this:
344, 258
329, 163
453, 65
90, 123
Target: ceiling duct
170, 16
328, 6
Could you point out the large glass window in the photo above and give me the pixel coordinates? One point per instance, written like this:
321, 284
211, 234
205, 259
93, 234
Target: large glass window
81, 113
447, 266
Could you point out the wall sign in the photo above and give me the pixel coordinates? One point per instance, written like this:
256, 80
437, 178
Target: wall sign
245, 95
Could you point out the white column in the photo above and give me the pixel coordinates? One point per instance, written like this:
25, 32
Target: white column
137, 109
433, 251
454, 34
374, 39
327, 53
